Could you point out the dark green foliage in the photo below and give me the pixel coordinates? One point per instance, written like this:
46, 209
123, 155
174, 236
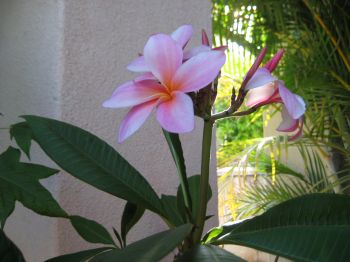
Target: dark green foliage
81, 256
175, 147
8, 250
172, 211
152, 248
93, 161
313, 227
23, 136
193, 182
208, 253
20, 182
131, 215
91, 231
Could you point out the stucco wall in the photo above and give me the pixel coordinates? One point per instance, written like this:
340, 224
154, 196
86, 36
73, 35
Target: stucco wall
30, 47
62, 58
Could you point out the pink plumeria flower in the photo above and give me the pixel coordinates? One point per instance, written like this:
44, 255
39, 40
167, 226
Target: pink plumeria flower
164, 57
290, 124
181, 35
263, 89
204, 47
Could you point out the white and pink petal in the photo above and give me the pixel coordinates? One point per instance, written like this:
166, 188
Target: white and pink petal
145, 76
135, 119
261, 77
163, 55
260, 95
255, 66
298, 134
195, 51
198, 71
294, 103
135, 92
176, 115
182, 35
138, 65
288, 124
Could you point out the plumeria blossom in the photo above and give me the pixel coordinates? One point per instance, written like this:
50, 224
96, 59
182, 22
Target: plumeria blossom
181, 35
204, 47
174, 78
263, 88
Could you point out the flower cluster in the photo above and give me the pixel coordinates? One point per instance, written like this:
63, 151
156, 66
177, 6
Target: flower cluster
263, 88
167, 73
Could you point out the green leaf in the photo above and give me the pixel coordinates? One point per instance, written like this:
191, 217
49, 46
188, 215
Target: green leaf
208, 253
131, 215
152, 248
8, 250
119, 238
172, 213
79, 256
23, 136
91, 231
214, 233
313, 227
193, 183
177, 153
93, 161
19, 181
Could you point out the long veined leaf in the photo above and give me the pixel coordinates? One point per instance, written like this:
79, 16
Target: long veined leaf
177, 153
23, 136
20, 182
8, 250
131, 215
79, 256
91, 231
90, 159
208, 253
172, 212
152, 248
193, 183
313, 227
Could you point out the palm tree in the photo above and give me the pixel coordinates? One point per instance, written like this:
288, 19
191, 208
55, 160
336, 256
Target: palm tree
316, 36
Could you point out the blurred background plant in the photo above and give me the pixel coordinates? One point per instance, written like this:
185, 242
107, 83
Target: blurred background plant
316, 65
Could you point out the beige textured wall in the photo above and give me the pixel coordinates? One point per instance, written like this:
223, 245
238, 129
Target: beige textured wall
62, 58
30, 48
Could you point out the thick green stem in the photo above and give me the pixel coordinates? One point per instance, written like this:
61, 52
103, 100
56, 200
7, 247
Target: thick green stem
204, 180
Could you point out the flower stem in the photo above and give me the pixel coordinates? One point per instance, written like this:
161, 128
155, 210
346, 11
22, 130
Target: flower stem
204, 180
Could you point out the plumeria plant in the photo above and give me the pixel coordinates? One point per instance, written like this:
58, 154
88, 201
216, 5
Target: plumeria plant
177, 84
